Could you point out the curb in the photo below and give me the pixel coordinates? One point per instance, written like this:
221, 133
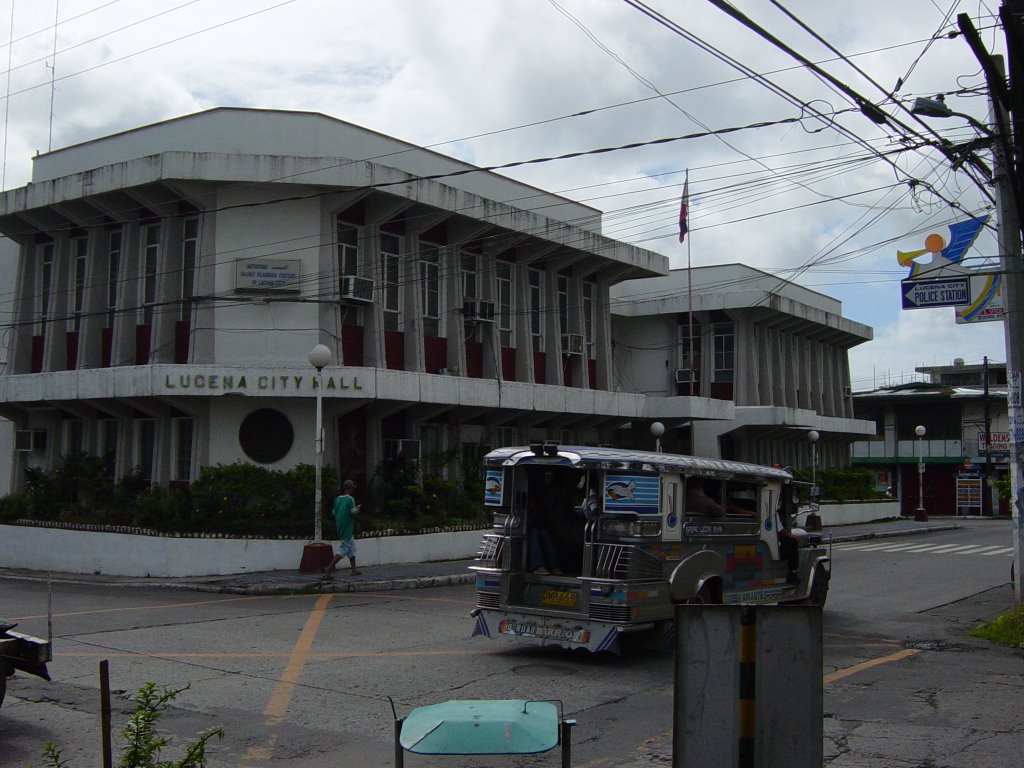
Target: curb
890, 534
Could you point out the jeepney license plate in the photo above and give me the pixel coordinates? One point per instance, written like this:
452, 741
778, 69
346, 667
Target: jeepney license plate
560, 597
529, 629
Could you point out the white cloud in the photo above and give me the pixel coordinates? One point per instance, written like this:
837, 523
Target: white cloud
430, 71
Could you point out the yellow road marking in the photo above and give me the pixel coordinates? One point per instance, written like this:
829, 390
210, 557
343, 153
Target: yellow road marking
839, 674
266, 654
282, 694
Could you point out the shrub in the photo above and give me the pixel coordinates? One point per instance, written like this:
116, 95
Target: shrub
143, 745
847, 484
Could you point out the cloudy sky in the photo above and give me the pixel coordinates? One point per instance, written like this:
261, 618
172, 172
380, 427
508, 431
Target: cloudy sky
785, 173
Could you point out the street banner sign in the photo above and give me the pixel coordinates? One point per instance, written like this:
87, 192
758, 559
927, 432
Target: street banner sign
937, 292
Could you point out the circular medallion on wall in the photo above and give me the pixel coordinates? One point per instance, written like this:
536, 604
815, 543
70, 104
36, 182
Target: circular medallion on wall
266, 435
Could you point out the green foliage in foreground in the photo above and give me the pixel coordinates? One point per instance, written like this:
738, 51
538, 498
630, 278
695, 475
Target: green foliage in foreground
143, 745
849, 484
1006, 629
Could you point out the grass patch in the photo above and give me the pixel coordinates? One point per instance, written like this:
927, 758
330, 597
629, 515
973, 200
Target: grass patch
1006, 629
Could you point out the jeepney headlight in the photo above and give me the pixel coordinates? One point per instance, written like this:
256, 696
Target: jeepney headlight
632, 528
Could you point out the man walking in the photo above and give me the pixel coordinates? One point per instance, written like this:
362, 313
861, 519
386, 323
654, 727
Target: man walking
345, 510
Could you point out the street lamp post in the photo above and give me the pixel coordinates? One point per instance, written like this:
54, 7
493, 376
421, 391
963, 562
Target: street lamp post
316, 555
657, 429
920, 514
814, 519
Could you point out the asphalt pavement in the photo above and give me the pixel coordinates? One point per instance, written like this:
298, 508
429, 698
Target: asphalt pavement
382, 578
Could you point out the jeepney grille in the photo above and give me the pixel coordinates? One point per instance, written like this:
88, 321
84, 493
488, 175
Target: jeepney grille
617, 613
488, 600
612, 561
492, 546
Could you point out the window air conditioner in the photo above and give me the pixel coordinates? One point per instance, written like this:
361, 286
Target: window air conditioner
485, 311
847, 391
572, 343
356, 289
683, 376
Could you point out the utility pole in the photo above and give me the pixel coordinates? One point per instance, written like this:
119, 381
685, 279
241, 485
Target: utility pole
1007, 158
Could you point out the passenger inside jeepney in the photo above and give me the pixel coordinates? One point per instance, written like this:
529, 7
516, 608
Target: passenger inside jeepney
545, 505
741, 500
701, 497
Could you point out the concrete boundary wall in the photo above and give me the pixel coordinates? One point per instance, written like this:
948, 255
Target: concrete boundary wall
855, 512
123, 554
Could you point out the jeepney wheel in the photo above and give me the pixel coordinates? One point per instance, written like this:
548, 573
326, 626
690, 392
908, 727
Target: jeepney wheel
705, 596
819, 589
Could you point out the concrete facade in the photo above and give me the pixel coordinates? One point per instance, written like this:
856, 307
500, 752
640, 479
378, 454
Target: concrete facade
173, 279
776, 351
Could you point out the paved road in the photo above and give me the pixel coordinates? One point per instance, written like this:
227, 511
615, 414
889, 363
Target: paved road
303, 678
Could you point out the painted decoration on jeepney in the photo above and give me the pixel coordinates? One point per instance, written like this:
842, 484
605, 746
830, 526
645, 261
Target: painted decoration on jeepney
493, 486
631, 492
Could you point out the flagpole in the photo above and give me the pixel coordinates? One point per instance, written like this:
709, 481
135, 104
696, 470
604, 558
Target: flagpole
689, 284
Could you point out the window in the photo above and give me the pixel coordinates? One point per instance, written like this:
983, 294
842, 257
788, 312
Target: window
79, 252
182, 431
535, 292
348, 249
189, 251
145, 449
430, 287
74, 437
113, 274
725, 352
470, 264
150, 263
390, 267
44, 276
504, 309
563, 304
507, 436
589, 324
107, 444
689, 348
432, 450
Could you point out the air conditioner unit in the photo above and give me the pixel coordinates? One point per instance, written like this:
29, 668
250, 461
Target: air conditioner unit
847, 391
572, 343
485, 311
356, 289
683, 376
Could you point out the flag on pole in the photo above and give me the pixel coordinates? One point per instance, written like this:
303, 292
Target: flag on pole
684, 209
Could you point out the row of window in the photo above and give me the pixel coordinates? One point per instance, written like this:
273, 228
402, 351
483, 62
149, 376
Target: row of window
352, 261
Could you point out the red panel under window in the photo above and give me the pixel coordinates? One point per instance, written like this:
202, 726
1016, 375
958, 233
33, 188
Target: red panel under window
475, 359
71, 350
38, 345
684, 390
592, 373
182, 334
351, 438
106, 346
567, 372
352, 345
435, 353
721, 390
508, 363
540, 375
142, 342
394, 350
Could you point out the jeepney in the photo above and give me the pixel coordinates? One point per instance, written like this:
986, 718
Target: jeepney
21, 652
590, 543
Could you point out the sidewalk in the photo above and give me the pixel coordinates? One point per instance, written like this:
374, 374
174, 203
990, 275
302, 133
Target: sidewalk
383, 578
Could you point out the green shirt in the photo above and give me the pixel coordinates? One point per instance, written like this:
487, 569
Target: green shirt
344, 509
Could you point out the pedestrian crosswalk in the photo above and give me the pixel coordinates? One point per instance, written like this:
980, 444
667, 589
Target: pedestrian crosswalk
981, 550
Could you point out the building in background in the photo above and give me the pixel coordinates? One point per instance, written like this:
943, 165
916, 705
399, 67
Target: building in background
173, 279
775, 352
963, 411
